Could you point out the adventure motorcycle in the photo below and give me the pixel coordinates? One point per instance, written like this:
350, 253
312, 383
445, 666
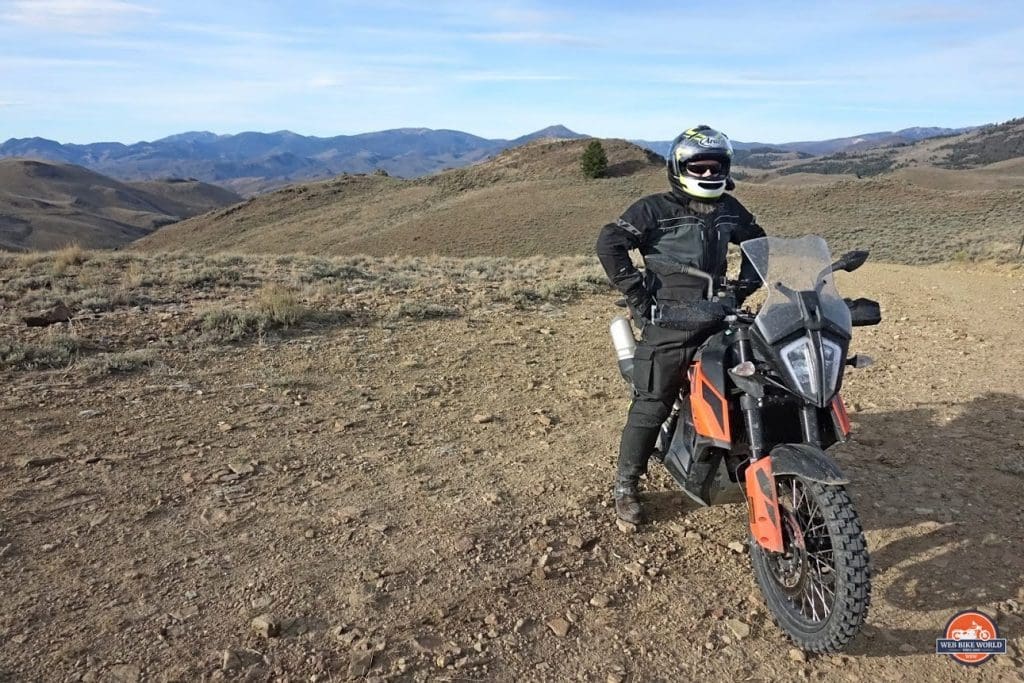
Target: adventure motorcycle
763, 406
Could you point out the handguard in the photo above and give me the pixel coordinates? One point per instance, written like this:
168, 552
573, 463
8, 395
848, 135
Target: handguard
690, 316
864, 312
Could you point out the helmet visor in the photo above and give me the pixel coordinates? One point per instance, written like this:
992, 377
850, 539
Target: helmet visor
704, 168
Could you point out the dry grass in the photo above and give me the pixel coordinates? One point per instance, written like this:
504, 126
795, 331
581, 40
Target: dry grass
71, 255
125, 304
280, 305
57, 349
118, 363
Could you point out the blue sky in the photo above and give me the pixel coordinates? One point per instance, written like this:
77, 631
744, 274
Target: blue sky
129, 70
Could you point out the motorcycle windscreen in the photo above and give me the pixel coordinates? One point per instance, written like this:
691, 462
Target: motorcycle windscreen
794, 264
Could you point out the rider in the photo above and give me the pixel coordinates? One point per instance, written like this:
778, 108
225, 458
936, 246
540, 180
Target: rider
693, 223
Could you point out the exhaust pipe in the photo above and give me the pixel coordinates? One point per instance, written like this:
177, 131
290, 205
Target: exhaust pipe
625, 345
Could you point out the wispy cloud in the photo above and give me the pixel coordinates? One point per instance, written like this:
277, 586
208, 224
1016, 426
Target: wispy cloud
499, 76
535, 37
15, 62
74, 16
12, 103
939, 14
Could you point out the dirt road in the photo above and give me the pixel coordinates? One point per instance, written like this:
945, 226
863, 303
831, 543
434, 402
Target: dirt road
429, 500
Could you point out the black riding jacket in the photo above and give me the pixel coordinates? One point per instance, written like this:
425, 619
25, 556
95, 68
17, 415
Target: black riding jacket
695, 233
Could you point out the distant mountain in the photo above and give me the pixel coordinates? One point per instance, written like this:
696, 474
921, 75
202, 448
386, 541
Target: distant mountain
45, 205
253, 162
833, 145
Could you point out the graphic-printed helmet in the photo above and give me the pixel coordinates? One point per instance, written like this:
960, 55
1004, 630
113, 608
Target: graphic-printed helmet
699, 163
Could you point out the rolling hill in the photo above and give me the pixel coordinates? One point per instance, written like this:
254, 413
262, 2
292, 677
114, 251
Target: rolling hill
49, 205
533, 200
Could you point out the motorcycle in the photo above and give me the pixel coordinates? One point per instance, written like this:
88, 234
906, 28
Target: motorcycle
975, 632
763, 406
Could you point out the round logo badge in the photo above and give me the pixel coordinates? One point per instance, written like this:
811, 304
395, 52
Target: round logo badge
971, 638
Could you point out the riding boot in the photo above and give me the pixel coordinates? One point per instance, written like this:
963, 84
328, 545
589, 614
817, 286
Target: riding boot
627, 499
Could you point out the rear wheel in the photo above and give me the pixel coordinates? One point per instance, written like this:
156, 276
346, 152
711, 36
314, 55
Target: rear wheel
819, 587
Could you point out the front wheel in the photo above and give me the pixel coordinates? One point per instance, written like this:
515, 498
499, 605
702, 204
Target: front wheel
818, 589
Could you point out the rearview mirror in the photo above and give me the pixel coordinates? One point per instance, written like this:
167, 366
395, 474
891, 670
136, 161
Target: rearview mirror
850, 261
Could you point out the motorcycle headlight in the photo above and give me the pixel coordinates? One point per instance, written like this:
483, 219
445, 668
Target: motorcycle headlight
802, 365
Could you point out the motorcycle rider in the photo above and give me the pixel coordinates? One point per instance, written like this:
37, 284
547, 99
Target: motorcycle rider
694, 223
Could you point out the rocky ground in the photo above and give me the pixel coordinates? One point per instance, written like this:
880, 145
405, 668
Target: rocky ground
399, 470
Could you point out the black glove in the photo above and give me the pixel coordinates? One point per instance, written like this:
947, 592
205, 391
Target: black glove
639, 302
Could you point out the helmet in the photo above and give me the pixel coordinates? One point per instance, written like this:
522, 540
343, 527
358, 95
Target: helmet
703, 181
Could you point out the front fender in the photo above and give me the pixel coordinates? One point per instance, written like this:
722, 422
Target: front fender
806, 461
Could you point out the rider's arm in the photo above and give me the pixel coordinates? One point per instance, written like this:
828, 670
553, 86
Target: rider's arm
614, 243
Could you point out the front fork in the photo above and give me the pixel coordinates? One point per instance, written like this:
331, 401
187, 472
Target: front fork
762, 498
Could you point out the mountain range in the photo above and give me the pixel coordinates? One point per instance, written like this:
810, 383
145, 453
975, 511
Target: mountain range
250, 163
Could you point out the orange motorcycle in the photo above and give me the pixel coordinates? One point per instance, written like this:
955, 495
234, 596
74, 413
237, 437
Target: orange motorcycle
762, 408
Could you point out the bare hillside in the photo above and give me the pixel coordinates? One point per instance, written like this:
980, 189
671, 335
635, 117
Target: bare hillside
514, 204
47, 205
534, 200
282, 467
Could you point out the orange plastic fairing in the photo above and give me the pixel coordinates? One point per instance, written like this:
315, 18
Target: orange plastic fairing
839, 410
763, 505
708, 407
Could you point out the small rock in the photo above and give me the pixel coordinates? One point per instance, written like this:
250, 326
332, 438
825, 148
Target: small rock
614, 678
558, 626
797, 655
230, 660
907, 648
737, 547
465, 543
224, 426
266, 626
428, 644
89, 413
924, 511
546, 330
635, 568
576, 542
58, 313
491, 619
39, 461
483, 418
547, 420
360, 663
519, 625
310, 533
241, 467
625, 527
600, 601
739, 628
125, 673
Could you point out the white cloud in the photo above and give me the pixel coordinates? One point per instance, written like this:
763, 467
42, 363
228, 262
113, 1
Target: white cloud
922, 13
7, 62
75, 16
538, 37
498, 76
